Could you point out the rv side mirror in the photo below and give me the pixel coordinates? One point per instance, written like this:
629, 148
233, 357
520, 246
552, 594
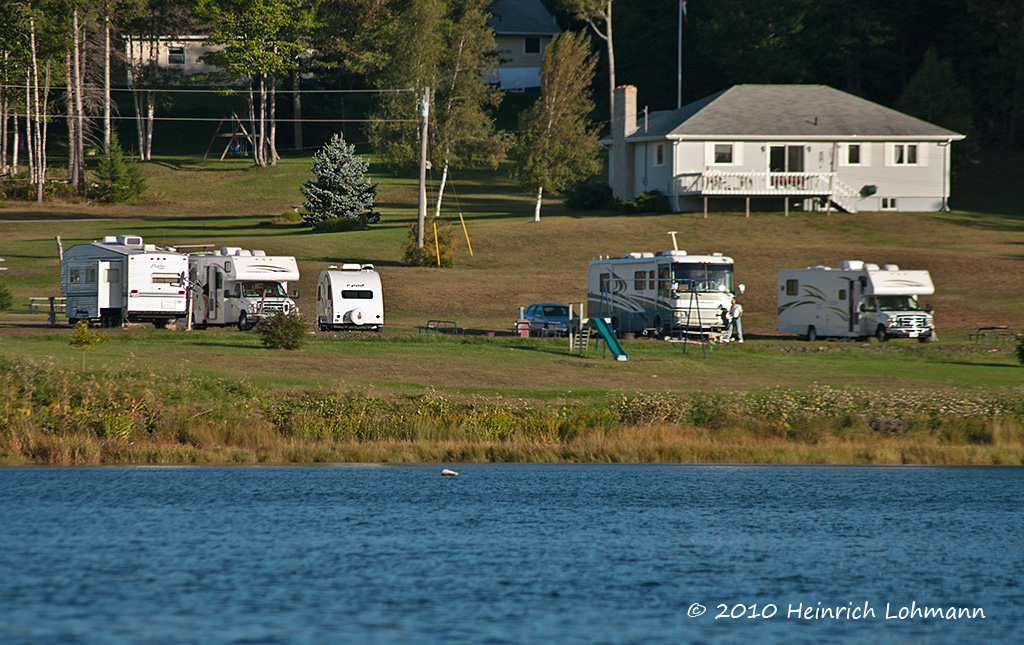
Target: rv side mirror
743, 288
227, 293
295, 296
863, 307
928, 307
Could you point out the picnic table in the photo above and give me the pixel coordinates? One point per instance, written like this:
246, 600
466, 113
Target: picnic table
992, 335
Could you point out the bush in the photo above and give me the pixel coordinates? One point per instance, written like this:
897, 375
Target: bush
427, 256
283, 330
653, 201
6, 299
588, 196
341, 224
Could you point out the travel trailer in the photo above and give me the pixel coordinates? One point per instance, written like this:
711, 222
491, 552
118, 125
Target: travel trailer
667, 292
234, 286
121, 279
857, 300
349, 298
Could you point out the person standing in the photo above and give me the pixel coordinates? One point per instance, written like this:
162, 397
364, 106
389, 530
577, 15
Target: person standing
735, 313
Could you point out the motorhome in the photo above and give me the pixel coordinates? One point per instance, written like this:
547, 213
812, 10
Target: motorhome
857, 300
668, 292
349, 297
122, 279
233, 286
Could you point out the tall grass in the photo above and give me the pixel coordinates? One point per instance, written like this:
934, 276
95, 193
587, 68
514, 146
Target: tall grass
61, 417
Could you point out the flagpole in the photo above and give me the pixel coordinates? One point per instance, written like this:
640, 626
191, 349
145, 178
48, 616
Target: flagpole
679, 59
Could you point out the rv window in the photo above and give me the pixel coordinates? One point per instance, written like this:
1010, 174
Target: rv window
792, 287
605, 282
842, 294
663, 281
74, 276
90, 276
166, 278
640, 280
262, 289
703, 277
650, 280
113, 276
357, 294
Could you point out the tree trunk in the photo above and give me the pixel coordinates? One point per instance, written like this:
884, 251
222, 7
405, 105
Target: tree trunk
150, 120
106, 79
536, 208
272, 139
440, 191
611, 65
30, 150
72, 123
296, 110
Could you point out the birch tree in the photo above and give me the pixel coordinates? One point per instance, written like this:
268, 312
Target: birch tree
598, 15
554, 147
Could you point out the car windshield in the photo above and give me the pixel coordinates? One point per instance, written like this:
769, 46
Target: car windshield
703, 277
257, 289
554, 311
898, 303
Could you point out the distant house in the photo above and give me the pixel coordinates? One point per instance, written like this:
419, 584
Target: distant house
780, 147
522, 29
177, 53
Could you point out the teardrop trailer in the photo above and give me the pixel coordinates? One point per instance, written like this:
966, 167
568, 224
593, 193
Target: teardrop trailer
349, 298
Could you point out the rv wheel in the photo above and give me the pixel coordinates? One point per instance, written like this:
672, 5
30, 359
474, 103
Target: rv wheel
880, 334
243, 323
812, 334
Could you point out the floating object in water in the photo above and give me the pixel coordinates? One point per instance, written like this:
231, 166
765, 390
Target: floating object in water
449, 473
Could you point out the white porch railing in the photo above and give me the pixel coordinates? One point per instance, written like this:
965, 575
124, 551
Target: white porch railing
765, 184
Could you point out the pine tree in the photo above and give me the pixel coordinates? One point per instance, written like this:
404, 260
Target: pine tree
121, 179
341, 189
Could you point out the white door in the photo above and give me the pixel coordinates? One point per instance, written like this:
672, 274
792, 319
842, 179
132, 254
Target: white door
110, 287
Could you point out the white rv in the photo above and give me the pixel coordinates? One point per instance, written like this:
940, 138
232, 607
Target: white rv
349, 298
234, 286
665, 292
857, 300
121, 279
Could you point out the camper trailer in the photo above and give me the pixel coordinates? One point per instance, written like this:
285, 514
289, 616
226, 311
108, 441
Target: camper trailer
121, 279
666, 293
349, 298
857, 300
234, 286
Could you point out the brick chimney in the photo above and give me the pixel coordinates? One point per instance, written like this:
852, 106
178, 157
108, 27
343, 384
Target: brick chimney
623, 125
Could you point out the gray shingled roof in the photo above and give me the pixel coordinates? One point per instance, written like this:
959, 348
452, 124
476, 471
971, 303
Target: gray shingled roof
522, 17
785, 111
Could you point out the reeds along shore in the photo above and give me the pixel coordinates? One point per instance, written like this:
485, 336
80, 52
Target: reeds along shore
52, 416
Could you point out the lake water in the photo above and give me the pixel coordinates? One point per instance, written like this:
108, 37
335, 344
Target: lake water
511, 554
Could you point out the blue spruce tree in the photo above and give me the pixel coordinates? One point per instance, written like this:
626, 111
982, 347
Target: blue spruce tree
341, 190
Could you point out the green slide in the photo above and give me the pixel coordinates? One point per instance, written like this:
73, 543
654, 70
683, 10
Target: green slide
606, 332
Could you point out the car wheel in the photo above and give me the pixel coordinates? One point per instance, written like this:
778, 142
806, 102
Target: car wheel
243, 323
812, 334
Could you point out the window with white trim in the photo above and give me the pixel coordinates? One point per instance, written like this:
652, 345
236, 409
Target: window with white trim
853, 154
888, 203
723, 154
176, 56
659, 154
904, 154
531, 45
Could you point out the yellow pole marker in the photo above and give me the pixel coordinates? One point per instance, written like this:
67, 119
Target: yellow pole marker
467, 234
437, 248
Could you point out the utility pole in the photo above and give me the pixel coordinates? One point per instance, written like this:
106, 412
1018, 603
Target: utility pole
422, 217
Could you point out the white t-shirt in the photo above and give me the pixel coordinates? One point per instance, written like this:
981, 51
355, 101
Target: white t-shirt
736, 310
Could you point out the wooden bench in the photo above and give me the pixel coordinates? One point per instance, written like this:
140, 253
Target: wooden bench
37, 304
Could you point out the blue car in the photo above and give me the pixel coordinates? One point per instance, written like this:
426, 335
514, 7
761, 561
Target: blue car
547, 319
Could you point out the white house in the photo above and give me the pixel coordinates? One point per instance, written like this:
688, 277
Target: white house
801, 147
522, 29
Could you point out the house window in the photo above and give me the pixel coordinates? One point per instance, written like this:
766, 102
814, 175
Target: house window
723, 153
904, 154
659, 154
888, 203
853, 154
531, 45
176, 56
640, 280
792, 287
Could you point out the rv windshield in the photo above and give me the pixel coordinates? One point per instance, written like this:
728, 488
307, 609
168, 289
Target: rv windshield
707, 277
257, 289
898, 303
